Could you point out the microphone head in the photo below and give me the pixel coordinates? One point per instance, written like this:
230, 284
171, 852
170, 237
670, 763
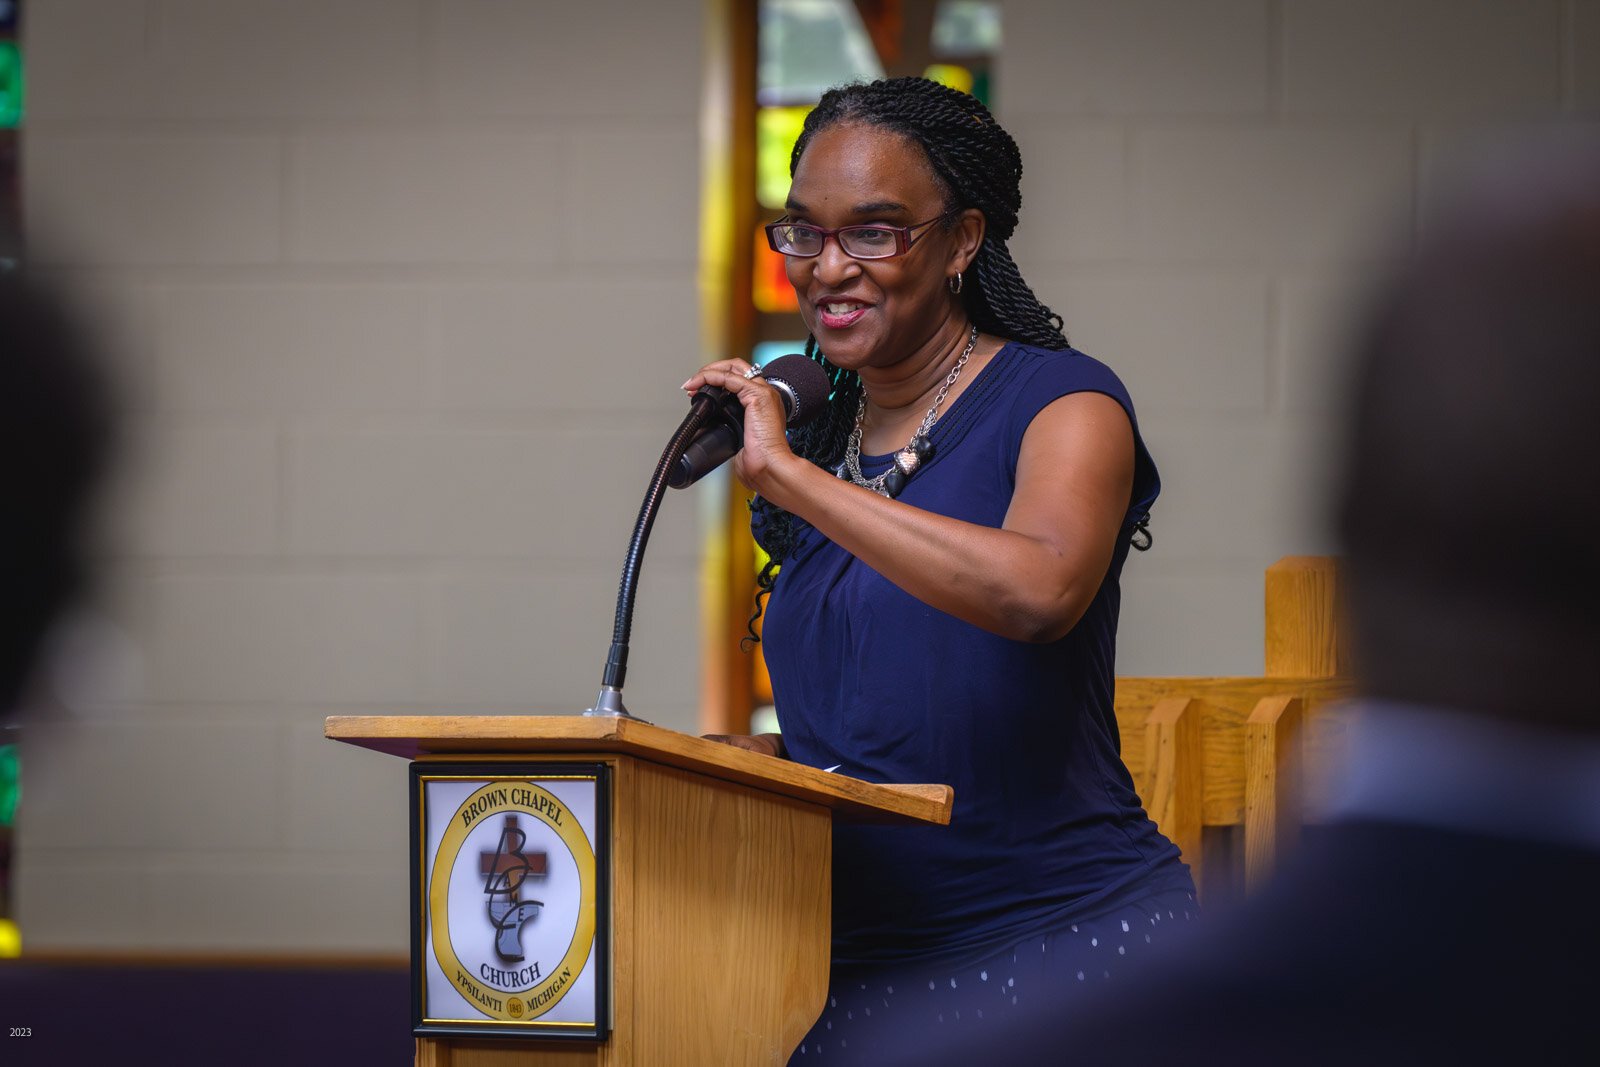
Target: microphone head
802, 383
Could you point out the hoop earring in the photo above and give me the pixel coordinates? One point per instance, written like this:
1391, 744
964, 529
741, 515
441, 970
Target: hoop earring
955, 283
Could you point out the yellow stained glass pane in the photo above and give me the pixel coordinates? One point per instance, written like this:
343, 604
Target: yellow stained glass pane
777, 129
950, 74
761, 681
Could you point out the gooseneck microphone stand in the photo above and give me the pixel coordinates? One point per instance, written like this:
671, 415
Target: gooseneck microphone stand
706, 403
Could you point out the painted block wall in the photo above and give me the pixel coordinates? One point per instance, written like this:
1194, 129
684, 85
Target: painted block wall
1209, 189
399, 286
403, 291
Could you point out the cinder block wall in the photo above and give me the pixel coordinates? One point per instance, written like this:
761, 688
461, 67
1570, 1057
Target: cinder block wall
1209, 185
404, 289
402, 285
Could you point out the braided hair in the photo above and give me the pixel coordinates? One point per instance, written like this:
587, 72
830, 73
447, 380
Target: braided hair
977, 165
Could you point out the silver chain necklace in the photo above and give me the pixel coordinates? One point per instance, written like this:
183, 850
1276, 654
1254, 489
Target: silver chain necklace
918, 451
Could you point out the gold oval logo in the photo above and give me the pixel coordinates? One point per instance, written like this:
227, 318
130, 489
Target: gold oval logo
550, 987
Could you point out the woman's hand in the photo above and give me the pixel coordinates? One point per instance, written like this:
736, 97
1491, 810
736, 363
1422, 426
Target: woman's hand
766, 744
766, 448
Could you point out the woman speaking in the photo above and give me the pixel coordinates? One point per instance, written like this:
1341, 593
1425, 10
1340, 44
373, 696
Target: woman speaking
942, 600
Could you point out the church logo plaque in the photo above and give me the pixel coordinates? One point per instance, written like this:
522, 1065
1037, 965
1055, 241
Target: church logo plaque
510, 899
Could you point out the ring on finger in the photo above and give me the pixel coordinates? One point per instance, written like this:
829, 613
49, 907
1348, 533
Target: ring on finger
753, 372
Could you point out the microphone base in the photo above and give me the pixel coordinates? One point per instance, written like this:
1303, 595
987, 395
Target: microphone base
608, 705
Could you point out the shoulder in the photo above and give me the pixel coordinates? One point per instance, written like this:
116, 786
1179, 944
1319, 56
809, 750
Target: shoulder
1043, 375
1038, 377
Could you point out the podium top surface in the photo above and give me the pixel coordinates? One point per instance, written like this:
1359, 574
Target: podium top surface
425, 736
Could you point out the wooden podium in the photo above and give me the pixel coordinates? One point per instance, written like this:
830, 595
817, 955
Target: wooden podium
720, 883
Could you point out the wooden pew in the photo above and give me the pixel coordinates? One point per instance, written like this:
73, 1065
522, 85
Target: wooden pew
1210, 754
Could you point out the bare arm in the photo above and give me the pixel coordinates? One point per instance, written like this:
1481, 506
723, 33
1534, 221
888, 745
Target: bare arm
766, 744
1031, 579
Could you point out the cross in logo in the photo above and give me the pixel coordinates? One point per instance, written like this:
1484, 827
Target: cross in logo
504, 871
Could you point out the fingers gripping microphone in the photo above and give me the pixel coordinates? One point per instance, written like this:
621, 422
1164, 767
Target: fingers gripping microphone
801, 383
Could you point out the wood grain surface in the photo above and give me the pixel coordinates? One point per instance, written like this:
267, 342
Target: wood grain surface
1272, 784
421, 736
1173, 773
1229, 702
1304, 631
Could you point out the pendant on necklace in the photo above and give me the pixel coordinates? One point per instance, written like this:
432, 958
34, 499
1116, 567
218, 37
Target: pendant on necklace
906, 462
918, 450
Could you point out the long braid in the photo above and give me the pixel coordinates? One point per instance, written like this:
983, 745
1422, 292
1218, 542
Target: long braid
979, 166
1004, 304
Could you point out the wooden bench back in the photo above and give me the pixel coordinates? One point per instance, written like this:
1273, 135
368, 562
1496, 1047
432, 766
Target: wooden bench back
1234, 752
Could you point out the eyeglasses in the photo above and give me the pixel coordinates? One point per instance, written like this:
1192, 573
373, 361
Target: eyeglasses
801, 240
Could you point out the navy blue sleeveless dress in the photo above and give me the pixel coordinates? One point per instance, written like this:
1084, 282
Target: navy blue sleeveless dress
1047, 840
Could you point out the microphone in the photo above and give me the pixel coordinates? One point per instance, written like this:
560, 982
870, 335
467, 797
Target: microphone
801, 383
804, 387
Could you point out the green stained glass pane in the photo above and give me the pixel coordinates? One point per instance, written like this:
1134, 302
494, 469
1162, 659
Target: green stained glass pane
809, 46
10, 85
777, 129
980, 89
10, 784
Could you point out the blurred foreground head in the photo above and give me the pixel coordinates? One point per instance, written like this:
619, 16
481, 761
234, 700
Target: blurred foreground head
54, 444
1470, 507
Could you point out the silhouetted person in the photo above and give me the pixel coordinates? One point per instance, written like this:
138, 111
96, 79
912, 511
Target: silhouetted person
55, 437
1449, 909
55, 442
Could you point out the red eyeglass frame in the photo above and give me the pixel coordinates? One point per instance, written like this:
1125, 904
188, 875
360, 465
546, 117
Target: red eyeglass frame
903, 239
